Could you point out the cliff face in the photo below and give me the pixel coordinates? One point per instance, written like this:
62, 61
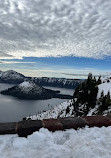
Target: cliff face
57, 82
13, 77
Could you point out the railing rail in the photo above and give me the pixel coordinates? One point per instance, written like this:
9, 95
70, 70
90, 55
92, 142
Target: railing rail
27, 127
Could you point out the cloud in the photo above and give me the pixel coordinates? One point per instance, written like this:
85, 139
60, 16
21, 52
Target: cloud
82, 75
15, 62
61, 73
42, 28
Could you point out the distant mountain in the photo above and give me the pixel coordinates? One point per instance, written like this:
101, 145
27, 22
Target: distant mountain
31, 91
57, 82
13, 77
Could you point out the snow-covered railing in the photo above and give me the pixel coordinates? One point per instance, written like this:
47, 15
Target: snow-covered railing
27, 127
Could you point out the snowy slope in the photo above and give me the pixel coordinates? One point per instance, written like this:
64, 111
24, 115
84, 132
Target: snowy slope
106, 78
83, 143
57, 111
27, 87
11, 76
57, 82
106, 86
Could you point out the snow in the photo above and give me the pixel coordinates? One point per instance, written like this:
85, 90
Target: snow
91, 111
105, 87
61, 82
25, 84
83, 143
58, 110
10, 74
105, 78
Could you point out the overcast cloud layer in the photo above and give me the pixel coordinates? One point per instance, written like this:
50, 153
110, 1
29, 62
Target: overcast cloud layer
55, 28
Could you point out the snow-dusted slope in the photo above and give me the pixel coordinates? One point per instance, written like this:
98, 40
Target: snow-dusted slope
11, 76
57, 111
83, 143
105, 87
106, 78
57, 82
28, 87
102, 107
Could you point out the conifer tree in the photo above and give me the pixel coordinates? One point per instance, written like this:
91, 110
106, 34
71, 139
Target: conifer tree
86, 94
99, 80
105, 102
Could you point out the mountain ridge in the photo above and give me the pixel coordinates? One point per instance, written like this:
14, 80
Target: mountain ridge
13, 77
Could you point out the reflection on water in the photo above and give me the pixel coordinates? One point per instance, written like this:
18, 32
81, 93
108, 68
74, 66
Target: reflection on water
13, 109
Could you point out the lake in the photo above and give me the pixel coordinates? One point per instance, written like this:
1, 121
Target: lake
13, 109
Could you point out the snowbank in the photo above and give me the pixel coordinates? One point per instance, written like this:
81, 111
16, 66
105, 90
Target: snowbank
83, 143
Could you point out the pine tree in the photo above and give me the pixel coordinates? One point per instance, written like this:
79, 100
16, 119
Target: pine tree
94, 80
105, 102
86, 95
99, 80
102, 94
89, 79
108, 101
67, 110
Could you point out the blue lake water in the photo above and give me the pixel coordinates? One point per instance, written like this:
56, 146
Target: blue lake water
13, 109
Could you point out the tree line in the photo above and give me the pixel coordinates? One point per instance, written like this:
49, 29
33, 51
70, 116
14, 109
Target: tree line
85, 97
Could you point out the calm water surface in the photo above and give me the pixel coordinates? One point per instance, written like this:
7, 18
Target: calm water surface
13, 109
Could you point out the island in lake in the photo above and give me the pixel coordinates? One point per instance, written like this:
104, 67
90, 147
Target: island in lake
29, 90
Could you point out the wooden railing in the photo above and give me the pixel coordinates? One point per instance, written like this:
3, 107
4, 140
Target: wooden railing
27, 127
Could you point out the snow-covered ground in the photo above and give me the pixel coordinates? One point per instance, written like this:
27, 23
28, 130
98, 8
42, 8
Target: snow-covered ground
58, 110
104, 87
83, 143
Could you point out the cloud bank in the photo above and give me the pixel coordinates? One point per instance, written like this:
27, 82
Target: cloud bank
43, 28
16, 62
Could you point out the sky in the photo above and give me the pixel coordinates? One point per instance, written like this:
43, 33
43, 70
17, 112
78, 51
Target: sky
56, 38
